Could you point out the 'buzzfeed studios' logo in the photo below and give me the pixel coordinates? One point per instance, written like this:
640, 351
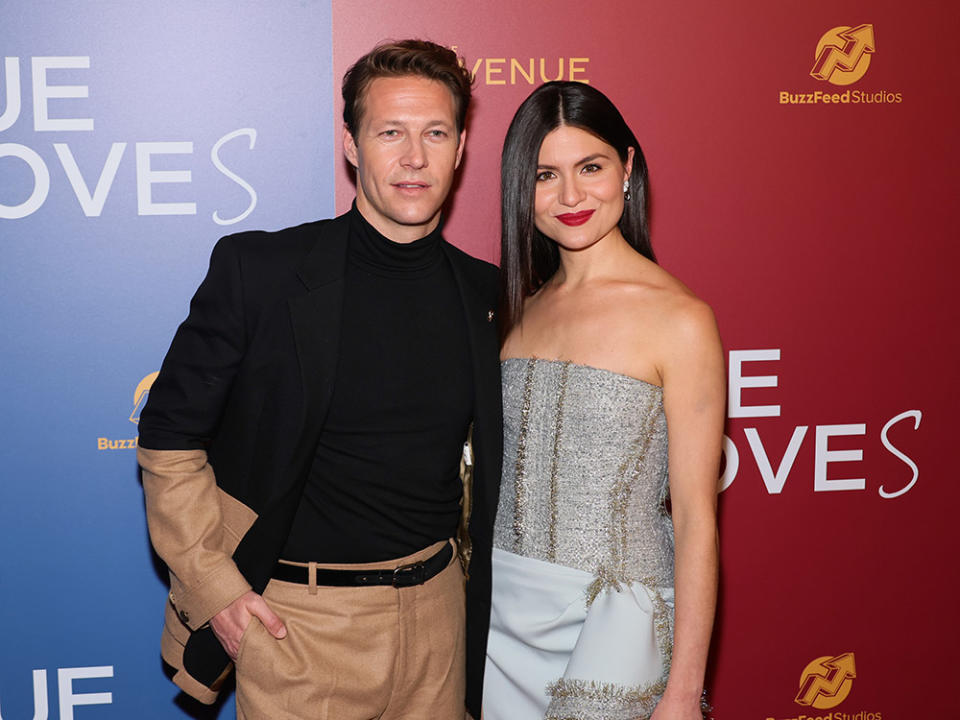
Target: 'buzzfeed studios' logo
139, 400
825, 683
842, 57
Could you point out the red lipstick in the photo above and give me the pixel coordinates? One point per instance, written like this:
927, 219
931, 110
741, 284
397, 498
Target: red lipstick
577, 218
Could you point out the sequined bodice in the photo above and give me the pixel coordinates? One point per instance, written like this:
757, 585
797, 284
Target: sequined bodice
585, 471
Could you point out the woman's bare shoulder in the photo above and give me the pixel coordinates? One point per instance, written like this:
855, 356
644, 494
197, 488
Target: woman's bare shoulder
675, 322
658, 292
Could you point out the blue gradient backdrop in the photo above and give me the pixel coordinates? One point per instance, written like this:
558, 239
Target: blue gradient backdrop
88, 305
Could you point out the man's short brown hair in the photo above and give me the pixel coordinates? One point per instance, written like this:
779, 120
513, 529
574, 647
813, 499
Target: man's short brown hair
405, 57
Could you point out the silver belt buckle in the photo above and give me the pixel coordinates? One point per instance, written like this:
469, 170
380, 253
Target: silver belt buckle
407, 575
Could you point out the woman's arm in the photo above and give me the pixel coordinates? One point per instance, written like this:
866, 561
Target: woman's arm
694, 403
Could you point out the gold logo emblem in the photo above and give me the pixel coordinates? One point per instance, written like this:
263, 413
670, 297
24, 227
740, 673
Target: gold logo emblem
826, 681
843, 54
140, 396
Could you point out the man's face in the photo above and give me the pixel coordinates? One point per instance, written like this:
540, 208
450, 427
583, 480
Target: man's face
406, 150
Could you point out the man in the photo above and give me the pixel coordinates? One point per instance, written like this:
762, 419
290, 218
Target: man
301, 447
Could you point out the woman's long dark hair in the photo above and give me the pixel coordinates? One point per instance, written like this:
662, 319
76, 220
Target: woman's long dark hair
528, 258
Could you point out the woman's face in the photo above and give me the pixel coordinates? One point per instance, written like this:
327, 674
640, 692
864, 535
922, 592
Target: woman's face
579, 190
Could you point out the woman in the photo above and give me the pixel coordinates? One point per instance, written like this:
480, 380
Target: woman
603, 600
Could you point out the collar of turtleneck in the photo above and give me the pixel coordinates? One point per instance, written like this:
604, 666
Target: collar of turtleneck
376, 253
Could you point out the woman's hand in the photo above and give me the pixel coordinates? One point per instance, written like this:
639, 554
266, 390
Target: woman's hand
677, 709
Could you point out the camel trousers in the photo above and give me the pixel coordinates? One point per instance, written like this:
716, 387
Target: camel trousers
358, 653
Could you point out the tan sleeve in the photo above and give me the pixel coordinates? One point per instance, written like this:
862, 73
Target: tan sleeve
194, 527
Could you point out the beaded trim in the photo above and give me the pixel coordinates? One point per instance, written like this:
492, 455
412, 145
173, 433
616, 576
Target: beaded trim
592, 700
555, 461
520, 468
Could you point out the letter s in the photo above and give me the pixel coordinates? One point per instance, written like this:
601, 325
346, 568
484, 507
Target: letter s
916, 415
215, 157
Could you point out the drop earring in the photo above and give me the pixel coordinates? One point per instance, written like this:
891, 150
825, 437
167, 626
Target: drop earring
626, 189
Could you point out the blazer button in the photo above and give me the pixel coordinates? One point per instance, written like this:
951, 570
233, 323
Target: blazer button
184, 617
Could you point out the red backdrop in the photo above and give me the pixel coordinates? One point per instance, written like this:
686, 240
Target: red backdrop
824, 233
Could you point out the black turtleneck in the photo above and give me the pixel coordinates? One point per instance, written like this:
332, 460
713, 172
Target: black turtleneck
385, 480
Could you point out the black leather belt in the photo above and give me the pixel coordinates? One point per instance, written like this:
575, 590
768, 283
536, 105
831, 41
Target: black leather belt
404, 576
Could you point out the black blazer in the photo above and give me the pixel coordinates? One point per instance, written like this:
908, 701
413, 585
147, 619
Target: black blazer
249, 378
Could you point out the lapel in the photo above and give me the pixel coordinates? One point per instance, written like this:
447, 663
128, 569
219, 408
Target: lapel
485, 354
316, 318
481, 331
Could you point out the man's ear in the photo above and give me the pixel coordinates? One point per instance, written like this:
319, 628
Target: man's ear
463, 142
349, 147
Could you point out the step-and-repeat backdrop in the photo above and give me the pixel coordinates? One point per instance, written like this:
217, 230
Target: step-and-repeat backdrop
803, 166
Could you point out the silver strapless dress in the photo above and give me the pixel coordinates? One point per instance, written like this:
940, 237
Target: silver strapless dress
582, 615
